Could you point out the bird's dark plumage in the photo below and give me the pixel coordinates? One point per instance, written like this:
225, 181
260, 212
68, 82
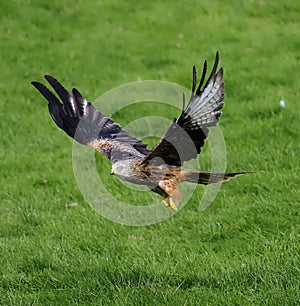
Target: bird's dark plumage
185, 137
87, 125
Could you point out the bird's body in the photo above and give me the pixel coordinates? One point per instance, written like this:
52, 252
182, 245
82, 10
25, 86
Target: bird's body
161, 167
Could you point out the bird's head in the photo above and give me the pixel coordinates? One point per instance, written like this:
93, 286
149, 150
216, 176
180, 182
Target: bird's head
121, 169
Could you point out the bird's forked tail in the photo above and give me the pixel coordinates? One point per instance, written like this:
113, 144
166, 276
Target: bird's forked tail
206, 178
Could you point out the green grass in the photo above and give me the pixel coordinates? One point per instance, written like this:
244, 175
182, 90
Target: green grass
244, 249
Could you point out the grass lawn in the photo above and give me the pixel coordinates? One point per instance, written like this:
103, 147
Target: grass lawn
244, 249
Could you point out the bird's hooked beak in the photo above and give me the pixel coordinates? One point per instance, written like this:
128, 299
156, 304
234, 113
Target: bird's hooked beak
113, 172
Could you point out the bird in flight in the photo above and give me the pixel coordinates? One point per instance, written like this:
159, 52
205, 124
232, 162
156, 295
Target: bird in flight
159, 168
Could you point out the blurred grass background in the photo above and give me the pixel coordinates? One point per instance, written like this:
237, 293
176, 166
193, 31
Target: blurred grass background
244, 249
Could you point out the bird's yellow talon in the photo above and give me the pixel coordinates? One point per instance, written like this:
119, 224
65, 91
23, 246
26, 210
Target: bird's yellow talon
172, 204
165, 202
169, 203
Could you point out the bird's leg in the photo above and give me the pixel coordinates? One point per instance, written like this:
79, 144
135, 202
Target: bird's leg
165, 202
172, 204
168, 202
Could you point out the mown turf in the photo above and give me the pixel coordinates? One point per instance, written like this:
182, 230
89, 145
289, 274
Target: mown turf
242, 250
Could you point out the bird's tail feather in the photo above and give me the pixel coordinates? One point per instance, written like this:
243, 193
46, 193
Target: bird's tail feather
206, 178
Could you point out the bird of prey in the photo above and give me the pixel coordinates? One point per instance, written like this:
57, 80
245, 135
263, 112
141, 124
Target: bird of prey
159, 168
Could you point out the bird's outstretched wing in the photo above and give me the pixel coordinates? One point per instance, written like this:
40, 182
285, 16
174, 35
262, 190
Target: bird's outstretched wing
83, 122
184, 139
